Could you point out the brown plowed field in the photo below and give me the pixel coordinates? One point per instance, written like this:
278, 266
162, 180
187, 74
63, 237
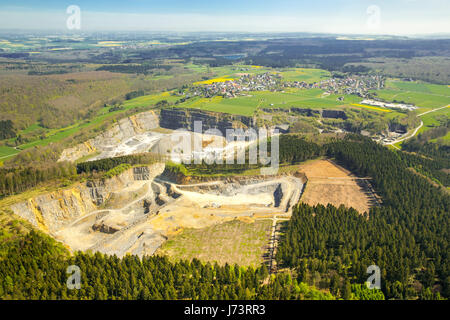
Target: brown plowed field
330, 183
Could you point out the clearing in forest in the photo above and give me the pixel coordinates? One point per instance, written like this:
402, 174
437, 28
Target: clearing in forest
330, 183
231, 242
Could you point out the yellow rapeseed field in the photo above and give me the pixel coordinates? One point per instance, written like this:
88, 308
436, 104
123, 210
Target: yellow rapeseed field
370, 107
211, 81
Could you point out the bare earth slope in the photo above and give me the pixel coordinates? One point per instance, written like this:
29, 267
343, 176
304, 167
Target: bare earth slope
330, 183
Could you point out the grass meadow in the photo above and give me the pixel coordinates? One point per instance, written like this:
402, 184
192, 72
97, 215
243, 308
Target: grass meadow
424, 95
230, 242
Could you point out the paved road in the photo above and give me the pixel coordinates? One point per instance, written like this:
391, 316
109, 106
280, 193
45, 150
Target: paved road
434, 110
416, 129
405, 138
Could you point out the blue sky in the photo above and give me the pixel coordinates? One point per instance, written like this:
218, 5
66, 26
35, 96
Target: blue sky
330, 16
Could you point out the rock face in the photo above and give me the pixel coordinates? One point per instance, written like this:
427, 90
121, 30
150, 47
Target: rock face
176, 118
51, 211
136, 211
397, 127
121, 131
141, 173
56, 209
325, 113
305, 112
106, 226
133, 135
335, 114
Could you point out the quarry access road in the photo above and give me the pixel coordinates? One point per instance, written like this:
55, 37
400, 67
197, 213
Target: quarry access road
405, 138
201, 184
416, 129
423, 113
273, 241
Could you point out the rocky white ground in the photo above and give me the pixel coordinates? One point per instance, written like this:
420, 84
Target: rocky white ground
160, 208
137, 216
136, 144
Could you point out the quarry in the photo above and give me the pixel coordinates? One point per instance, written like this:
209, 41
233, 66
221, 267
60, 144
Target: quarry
157, 131
136, 211
140, 209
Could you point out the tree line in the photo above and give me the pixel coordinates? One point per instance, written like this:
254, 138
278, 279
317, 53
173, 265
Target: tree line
144, 68
14, 180
20, 179
35, 268
111, 163
7, 129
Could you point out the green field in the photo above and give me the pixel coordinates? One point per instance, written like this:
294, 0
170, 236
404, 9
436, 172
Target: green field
54, 135
6, 152
230, 242
306, 75
32, 128
432, 119
445, 139
421, 87
200, 68
247, 105
423, 95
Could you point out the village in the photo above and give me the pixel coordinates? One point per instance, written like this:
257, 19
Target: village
352, 84
233, 88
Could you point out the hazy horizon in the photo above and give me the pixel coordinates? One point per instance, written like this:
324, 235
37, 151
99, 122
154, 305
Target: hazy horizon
376, 17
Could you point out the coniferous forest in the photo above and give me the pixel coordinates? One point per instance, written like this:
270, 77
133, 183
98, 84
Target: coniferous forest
34, 267
407, 237
323, 254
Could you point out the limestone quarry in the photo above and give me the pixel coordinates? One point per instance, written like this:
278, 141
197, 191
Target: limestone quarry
141, 133
127, 136
136, 211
